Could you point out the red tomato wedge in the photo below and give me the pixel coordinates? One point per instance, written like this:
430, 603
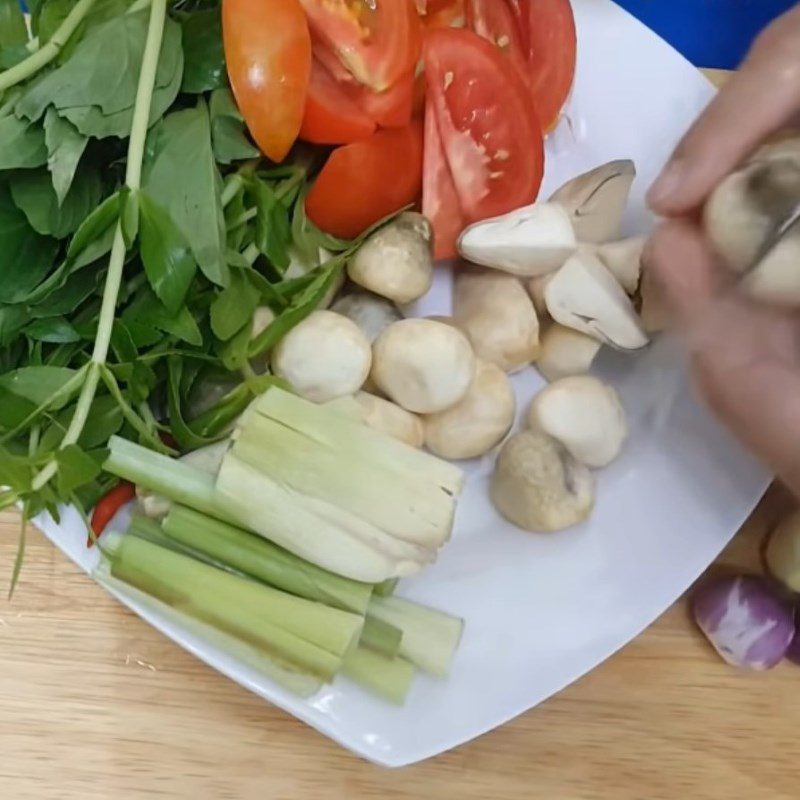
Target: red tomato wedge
495, 21
489, 130
439, 197
268, 53
331, 115
365, 181
391, 108
443, 14
378, 42
548, 28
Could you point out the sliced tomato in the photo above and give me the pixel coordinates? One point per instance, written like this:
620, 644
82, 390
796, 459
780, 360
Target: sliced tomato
548, 31
439, 197
443, 14
378, 42
490, 133
496, 22
365, 181
389, 109
331, 115
268, 53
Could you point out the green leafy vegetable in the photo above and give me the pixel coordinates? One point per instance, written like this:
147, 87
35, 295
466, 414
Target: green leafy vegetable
204, 58
234, 306
22, 144
65, 146
228, 131
53, 330
75, 468
12, 25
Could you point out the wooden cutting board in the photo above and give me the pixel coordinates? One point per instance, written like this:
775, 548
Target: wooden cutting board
95, 705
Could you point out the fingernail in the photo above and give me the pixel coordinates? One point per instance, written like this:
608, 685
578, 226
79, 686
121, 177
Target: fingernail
667, 185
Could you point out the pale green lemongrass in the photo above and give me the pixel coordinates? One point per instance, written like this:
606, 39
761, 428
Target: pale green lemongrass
389, 678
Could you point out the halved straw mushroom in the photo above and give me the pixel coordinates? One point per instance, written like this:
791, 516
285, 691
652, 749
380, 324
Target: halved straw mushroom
422, 365
530, 241
585, 296
624, 261
396, 262
585, 415
387, 417
565, 352
371, 313
497, 315
479, 422
536, 287
596, 201
324, 357
539, 486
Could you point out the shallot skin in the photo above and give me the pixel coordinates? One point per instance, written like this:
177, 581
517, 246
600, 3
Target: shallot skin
745, 620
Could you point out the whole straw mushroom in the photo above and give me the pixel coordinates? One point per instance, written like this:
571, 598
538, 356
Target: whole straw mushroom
422, 365
387, 417
497, 315
371, 313
539, 486
323, 357
396, 262
565, 352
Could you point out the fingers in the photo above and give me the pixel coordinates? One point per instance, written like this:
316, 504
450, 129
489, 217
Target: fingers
757, 101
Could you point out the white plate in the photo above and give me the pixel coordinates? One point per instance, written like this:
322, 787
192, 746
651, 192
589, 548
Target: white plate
543, 610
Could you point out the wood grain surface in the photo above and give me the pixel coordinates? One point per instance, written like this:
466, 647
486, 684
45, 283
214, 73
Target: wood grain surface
96, 705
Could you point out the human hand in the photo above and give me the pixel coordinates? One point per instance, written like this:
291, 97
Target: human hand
745, 356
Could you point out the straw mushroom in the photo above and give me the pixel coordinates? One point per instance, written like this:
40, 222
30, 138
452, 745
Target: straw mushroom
387, 417
596, 201
324, 357
497, 315
565, 352
585, 296
539, 486
530, 241
624, 261
422, 365
396, 262
585, 415
536, 287
371, 313
479, 422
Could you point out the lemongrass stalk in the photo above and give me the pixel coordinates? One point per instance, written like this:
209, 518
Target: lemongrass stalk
430, 637
292, 630
44, 55
162, 615
388, 678
381, 637
385, 588
255, 556
116, 263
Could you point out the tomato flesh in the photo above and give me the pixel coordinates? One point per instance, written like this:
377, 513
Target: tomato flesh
489, 130
331, 115
363, 182
440, 202
377, 42
391, 108
268, 54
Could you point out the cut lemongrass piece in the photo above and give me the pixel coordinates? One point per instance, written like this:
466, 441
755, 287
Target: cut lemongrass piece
385, 588
389, 678
291, 630
254, 555
381, 637
299, 683
430, 637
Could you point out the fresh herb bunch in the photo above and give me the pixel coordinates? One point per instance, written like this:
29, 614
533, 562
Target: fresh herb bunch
139, 232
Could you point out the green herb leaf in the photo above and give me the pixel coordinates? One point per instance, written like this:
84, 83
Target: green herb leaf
75, 468
308, 238
66, 298
204, 58
176, 389
228, 131
234, 307
22, 144
39, 384
53, 330
12, 320
233, 353
273, 232
93, 238
167, 258
65, 146
20, 557
129, 216
148, 312
34, 194
26, 255
96, 87
106, 417
180, 171
12, 24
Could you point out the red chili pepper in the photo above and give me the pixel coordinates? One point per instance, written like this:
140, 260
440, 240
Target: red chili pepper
108, 505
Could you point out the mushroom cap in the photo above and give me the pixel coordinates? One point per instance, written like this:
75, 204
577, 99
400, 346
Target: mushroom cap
383, 415
479, 422
565, 352
624, 261
422, 365
585, 415
371, 313
539, 486
396, 262
323, 357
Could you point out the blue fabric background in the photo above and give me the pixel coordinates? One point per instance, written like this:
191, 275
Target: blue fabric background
710, 33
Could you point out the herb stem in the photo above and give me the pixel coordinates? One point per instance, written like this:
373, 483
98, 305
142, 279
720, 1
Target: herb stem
116, 263
233, 184
243, 219
44, 55
251, 253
